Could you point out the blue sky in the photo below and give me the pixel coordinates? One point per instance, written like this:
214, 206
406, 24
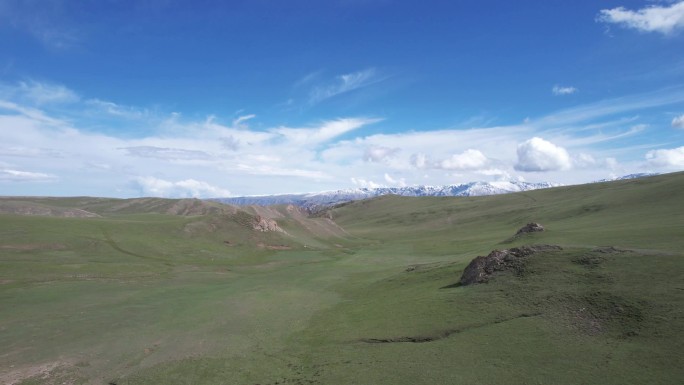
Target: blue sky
197, 98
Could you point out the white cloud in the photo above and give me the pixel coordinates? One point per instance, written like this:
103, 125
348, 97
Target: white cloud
24, 176
268, 170
401, 182
363, 183
420, 161
327, 131
379, 153
166, 153
31, 152
343, 84
38, 93
560, 90
678, 121
117, 110
611, 163
239, 121
230, 143
45, 93
666, 158
537, 154
468, 160
662, 19
188, 188
583, 160
321, 156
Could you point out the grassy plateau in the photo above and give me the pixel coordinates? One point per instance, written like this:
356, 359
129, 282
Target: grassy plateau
157, 291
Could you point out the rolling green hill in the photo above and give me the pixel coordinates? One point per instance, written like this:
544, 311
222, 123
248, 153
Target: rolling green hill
149, 291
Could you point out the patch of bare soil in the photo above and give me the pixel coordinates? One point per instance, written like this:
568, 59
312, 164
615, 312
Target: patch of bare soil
273, 247
48, 373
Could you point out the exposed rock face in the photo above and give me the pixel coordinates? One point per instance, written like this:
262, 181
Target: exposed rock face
531, 227
480, 269
265, 224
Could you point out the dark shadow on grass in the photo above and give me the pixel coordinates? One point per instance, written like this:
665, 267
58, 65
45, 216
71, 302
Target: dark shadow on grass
453, 285
445, 333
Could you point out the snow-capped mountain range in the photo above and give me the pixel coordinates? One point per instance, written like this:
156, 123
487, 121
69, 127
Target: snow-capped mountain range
313, 201
630, 176
330, 198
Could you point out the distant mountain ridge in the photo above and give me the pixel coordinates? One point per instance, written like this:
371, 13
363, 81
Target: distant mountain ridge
630, 176
329, 198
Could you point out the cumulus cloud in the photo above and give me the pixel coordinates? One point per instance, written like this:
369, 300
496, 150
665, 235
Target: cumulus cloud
678, 121
188, 188
166, 153
24, 176
537, 154
560, 90
363, 183
666, 158
663, 19
468, 160
401, 182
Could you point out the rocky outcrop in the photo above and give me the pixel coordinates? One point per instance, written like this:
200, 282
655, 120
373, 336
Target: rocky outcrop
265, 224
481, 269
531, 227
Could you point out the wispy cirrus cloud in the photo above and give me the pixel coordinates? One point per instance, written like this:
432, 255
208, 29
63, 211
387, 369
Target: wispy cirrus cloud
563, 90
44, 20
345, 83
38, 93
24, 176
655, 18
590, 113
117, 110
166, 153
327, 131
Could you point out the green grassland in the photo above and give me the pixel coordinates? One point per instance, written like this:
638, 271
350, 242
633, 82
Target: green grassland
154, 291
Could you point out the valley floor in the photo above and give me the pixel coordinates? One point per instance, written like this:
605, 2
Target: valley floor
369, 297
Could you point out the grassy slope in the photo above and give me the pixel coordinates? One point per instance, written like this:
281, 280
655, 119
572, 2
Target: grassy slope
146, 299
